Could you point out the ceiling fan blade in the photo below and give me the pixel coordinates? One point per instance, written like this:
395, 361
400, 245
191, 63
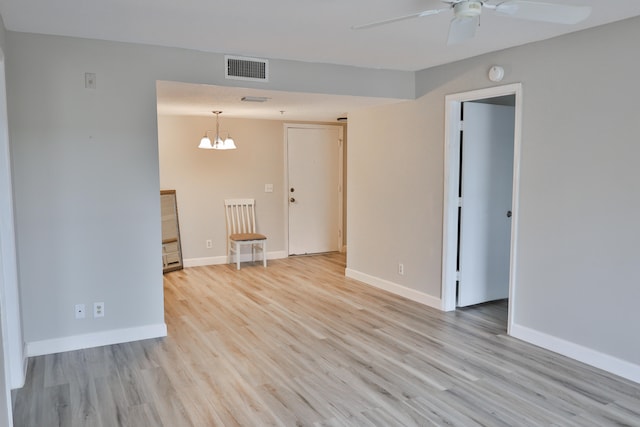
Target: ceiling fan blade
545, 12
462, 29
400, 18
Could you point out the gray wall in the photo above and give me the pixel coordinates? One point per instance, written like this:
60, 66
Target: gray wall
86, 186
578, 254
577, 268
86, 172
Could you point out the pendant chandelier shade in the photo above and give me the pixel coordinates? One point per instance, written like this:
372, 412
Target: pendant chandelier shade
218, 143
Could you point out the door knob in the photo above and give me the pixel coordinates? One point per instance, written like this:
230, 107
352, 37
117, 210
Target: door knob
508, 214
292, 200
292, 189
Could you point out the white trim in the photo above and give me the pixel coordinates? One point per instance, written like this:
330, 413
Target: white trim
451, 174
218, 260
10, 310
199, 262
515, 206
395, 288
450, 215
288, 126
97, 339
341, 187
25, 366
580, 353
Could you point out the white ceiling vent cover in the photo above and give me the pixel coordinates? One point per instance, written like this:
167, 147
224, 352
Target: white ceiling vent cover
242, 68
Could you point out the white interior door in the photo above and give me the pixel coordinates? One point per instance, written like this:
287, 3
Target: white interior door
313, 156
486, 193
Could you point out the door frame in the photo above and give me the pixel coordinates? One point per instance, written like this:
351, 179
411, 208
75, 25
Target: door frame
12, 333
451, 181
14, 362
286, 127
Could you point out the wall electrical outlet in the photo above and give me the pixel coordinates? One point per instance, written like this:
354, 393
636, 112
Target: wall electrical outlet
80, 311
401, 269
98, 309
209, 244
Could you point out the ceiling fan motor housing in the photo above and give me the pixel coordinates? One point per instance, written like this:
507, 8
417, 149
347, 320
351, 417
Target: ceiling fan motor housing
467, 9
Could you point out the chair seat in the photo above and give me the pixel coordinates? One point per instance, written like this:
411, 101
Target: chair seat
243, 237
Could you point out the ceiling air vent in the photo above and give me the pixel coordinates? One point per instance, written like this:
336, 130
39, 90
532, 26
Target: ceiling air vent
241, 68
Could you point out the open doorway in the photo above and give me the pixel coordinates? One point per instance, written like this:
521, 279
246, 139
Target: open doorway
481, 195
257, 169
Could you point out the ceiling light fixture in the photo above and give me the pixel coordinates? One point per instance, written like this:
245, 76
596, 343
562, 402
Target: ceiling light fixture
218, 143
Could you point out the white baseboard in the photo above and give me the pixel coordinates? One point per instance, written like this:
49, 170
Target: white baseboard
19, 377
97, 339
582, 354
394, 288
217, 260
198, 262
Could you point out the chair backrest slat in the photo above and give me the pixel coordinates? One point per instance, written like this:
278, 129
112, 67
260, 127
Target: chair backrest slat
240, 215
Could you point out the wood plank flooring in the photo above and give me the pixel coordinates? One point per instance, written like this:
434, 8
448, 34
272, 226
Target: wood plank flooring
298, 344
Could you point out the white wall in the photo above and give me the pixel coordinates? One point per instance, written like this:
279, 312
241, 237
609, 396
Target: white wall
576, 281
86, 175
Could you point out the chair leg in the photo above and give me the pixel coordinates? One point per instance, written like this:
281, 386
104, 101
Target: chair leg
238, 251
264, 254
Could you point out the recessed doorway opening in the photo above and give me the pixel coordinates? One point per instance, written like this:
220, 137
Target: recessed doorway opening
481, 196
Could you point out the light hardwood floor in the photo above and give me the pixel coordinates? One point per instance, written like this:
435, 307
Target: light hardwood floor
300, 344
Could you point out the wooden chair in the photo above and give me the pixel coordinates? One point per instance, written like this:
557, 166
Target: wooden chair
241, 229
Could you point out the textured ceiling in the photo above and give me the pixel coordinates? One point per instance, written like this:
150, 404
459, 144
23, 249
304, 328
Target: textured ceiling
197, 100
305, 30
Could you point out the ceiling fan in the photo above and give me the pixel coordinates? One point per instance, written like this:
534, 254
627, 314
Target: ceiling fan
466, 15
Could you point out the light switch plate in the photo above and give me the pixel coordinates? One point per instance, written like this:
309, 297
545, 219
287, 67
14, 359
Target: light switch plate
268, 188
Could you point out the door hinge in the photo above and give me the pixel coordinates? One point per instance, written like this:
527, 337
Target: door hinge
458, 275
461, 125
459, 202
